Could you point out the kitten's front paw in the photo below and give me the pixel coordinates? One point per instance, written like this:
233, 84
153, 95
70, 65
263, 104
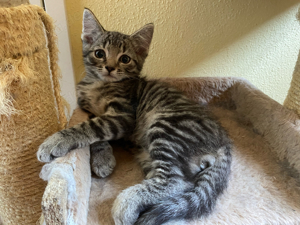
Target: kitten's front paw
54, 146
126, 209
102, 159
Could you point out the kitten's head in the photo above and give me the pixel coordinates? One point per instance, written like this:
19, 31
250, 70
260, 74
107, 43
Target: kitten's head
113, 56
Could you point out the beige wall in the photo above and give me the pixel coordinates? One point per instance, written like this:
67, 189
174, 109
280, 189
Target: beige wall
258, 40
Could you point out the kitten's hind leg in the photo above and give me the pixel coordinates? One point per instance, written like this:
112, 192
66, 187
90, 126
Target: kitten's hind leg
164, 180
102, 159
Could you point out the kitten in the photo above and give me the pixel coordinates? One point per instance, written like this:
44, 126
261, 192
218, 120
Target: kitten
184, 152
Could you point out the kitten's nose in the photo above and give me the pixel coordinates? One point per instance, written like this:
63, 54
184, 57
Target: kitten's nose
109, 69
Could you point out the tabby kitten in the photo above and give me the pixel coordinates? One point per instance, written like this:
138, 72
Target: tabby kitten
185, 154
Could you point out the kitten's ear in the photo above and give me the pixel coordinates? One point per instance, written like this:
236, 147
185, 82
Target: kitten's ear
142, 39
91, 28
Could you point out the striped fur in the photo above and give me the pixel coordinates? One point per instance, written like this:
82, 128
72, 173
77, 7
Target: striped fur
183, 150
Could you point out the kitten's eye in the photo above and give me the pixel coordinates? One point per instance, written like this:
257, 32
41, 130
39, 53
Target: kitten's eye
125, 59
100, 54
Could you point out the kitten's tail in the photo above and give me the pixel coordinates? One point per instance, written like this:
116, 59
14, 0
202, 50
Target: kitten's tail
197, 202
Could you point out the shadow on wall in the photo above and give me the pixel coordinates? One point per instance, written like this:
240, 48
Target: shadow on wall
186, 32
214, 26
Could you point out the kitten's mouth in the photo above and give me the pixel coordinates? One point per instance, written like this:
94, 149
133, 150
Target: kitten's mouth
109, 76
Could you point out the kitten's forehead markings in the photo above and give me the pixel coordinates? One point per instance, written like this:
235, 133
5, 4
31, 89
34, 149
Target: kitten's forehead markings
97, 47
106, 52
106, 44
122, 47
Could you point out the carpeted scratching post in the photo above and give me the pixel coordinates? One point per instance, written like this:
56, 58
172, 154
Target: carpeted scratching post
30, 109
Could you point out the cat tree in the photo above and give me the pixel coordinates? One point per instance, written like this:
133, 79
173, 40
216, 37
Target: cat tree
30, 110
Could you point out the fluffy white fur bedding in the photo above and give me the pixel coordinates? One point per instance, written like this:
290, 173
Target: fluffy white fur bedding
264, 186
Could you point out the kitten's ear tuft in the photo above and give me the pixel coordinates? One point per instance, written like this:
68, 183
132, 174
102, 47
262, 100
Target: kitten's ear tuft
91, 28
143, 38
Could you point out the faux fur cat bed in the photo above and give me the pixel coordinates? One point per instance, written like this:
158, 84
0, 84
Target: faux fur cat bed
264, 186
